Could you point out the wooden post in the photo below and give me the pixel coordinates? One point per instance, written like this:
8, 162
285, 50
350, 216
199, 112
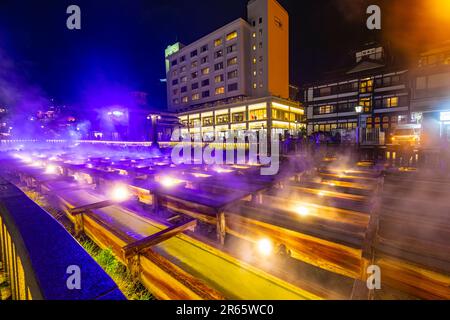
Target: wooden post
221, 231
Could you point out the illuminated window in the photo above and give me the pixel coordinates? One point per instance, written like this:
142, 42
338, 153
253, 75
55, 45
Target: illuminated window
231, 36
222, 119
183, 79
254, 34
326, 109
195, 97
367, 104
254, 61
208, 121
392, 102
232, 61
194, 64
238, 117
366, 86
220, 90
254, 86
254, 73
205, 71
217, 42
259, 114
185, 99
219, 78
254, 47
218, 54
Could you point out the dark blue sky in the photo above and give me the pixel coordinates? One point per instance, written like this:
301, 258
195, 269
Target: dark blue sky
121, 44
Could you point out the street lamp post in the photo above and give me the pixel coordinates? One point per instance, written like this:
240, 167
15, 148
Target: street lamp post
359, 110
154, 123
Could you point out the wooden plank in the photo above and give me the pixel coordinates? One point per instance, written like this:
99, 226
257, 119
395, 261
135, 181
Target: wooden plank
157, 238
92, 206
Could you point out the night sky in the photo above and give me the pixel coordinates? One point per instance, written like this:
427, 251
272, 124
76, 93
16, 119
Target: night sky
121, 43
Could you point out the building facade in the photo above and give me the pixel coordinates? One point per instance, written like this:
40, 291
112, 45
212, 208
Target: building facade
430, 95
237, 77
381, 90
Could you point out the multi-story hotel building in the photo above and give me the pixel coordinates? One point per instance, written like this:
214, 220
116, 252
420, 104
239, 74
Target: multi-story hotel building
430, 95
382, 91
237, 77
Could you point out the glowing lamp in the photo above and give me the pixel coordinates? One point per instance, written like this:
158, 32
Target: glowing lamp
359, 109
51, 169
265, 247
302, 211
120, 193
168, 182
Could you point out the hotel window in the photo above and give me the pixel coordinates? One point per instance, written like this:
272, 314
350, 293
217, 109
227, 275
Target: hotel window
232, 87
194, 86
204, 48
254, 73
208, 121
222, 119
392, 102
194, 53
367, 104
183, 79
260, 59
220, 90
174, 82
280, 115
205, 94
232, 61
366, 86
232, 48
219, 78
238, 117
217, 42
260, 84
205, 83
218, 66
254, 23
205, 71
194, 75
185, 99
254, 86
326, 109
204, 60
260, 20
183, 89
254, 47
174, 73
183, 59
260, 32
260, 45
232, 74
259, 114
231, 36
175, 91
176, 101
218, 54
254, 34
254, 60
183, 69
174, 62
194, 64
195, 97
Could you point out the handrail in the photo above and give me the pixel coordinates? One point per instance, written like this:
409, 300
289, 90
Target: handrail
42, 260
